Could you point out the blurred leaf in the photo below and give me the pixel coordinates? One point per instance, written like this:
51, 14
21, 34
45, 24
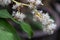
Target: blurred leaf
6, 35
25, 26
36, 25
4, 14
5, 26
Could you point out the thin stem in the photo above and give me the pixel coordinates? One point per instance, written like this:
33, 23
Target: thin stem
28, 6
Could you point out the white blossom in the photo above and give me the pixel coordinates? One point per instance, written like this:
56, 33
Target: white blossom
52, 26
38, 2
51, 20
15, 6
13, 13
41, 11
30, 6
33, 12
5, 2
31, 1
20, 16
48, 24
17, 14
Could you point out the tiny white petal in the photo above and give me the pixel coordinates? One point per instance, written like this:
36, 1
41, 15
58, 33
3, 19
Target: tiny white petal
33, 12
17, 14
41, 11
7, 1
52, 26
38, 2
22, 16
51, 20
31, 0
13, 13
15, 6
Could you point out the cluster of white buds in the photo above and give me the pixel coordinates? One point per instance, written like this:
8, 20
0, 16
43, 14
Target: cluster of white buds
19, 16
48, 24
36, 2
5, 2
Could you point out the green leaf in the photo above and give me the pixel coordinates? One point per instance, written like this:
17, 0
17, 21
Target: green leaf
4, 14
36, 25
5, 26
25, 26
6, 35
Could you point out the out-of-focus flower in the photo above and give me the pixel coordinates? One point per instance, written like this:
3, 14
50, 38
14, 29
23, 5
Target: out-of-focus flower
32, 1
5, 2
31, 6
15, 6
19, 16
38, 2
13, 13
50, 28
48, 24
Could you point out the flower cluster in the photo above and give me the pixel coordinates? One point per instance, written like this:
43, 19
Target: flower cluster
48, 24
5, 2
19, 16
36, 2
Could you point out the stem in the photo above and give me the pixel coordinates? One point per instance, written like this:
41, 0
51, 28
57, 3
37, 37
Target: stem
28, 6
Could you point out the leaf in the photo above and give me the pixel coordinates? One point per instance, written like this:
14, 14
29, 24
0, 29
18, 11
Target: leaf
4, 14
25, 26
6, 35
36, 25
5, 26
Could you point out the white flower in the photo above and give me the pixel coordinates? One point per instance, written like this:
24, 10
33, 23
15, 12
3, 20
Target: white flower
52, 26
13, 13
33, 12
30, 6
20, 16
5, 2
46, 16
17, 15
38, 2
51, 21
48, 24
15, 6
45, 19
49, 28
36, 18
41, 11
31, 1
